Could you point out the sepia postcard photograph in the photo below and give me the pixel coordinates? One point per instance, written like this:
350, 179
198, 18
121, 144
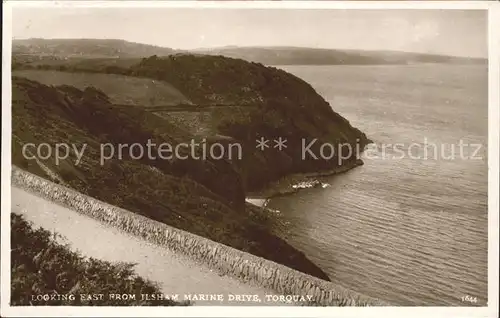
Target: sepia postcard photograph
239, 159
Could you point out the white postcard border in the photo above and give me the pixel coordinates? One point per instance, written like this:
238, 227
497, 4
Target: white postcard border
253, 311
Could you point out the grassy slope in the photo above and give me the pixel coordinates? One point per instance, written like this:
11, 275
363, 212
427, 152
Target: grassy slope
119, 88
41, 265
202, 197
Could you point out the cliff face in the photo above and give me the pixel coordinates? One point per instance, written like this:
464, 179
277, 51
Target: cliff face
202, 197
270, 104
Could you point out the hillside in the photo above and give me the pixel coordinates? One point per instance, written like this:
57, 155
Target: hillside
250, 101
204, 197
239, 102
273, 104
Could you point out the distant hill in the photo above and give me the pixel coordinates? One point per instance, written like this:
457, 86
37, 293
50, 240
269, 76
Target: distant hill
88, 48
313, 56
54, 50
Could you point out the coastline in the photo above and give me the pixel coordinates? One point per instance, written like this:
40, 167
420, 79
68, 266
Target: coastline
288, 184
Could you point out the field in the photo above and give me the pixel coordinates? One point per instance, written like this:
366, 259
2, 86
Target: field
125, 90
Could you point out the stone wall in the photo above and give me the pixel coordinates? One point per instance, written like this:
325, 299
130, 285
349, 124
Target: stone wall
221, 258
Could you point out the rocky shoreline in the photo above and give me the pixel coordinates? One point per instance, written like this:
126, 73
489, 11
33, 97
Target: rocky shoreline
295, 182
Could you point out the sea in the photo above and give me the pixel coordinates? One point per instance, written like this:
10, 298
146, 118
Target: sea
410, 226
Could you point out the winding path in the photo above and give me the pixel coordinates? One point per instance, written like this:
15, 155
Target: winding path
175, 273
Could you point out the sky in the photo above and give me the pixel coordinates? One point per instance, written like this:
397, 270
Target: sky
449, 32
